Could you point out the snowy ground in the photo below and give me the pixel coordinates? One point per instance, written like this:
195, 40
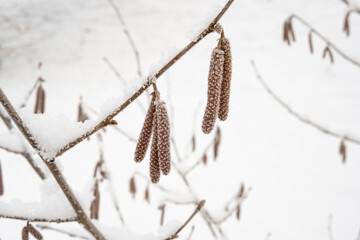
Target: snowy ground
295, 172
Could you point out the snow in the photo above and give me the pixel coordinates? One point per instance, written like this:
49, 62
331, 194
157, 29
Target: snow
11, 141
295, 171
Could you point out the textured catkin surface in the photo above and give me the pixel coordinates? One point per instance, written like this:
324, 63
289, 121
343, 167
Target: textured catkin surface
226, 81
154, 155
214, 88
145, 135
163, 131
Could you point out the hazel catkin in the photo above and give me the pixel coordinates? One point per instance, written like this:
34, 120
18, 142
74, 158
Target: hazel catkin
154, 155
163, 137
145, 135
226, 80
214, 88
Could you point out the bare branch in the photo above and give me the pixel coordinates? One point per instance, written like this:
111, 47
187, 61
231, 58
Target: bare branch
297, 115
58, 220
326, 40
199, 207
160, 72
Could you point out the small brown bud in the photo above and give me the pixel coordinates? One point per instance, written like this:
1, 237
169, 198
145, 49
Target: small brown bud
145, 135
154, 155
226, 80
241, 191
217, 141
342, 151
163, 138
132, 186
291, 30
311, 43
193, 143
162, 209
204, 159
147, 195
82, 116
214, 88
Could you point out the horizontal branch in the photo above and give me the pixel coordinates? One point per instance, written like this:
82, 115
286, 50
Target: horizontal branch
297, 115
161, 71
58, 220
328, 42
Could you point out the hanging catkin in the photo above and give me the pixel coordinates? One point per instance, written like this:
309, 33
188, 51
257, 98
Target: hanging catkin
214, 87
36, 234
154, 155
226, 80
145, 134
25, 233
163, 137
40, 100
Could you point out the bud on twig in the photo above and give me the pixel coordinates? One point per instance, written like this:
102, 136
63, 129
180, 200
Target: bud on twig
342, 150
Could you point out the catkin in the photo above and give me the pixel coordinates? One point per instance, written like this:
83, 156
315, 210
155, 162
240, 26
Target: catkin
214, 87
145, 135
154, 155
40, 100
225, 85
34, 232
25, 233
163, 137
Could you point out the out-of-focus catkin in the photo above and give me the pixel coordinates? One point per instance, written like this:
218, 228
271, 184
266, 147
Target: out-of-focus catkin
25, 233
145, 135
163, 137
154, 155
40, 100
214, 88
226, 80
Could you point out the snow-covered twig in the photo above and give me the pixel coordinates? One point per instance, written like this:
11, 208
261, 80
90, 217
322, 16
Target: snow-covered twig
57, 220
82, 218
198, 209
146, 85
330, 45
297, 115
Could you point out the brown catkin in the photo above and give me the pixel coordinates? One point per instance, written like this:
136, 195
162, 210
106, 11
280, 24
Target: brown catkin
154, 156
214, 87
34, 232
226, 81
145, 135
163, 137
40, 100
25, 233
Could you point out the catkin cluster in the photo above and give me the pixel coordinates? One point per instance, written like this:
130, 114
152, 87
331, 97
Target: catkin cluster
157, 125
219, 80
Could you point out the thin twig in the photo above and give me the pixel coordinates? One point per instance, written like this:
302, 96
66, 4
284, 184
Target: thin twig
43, 227
191, 232
82, 218
160, 72
322, 37
158, 186
199, 207
57, 220
128, 35
199, 161
297, 115
114, 70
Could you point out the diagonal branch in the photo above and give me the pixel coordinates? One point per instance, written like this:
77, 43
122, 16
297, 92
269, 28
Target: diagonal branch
160, 72
297, 115
322, 37
198, 208
82, 218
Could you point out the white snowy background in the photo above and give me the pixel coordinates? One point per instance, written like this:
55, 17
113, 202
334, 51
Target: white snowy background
295, 171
